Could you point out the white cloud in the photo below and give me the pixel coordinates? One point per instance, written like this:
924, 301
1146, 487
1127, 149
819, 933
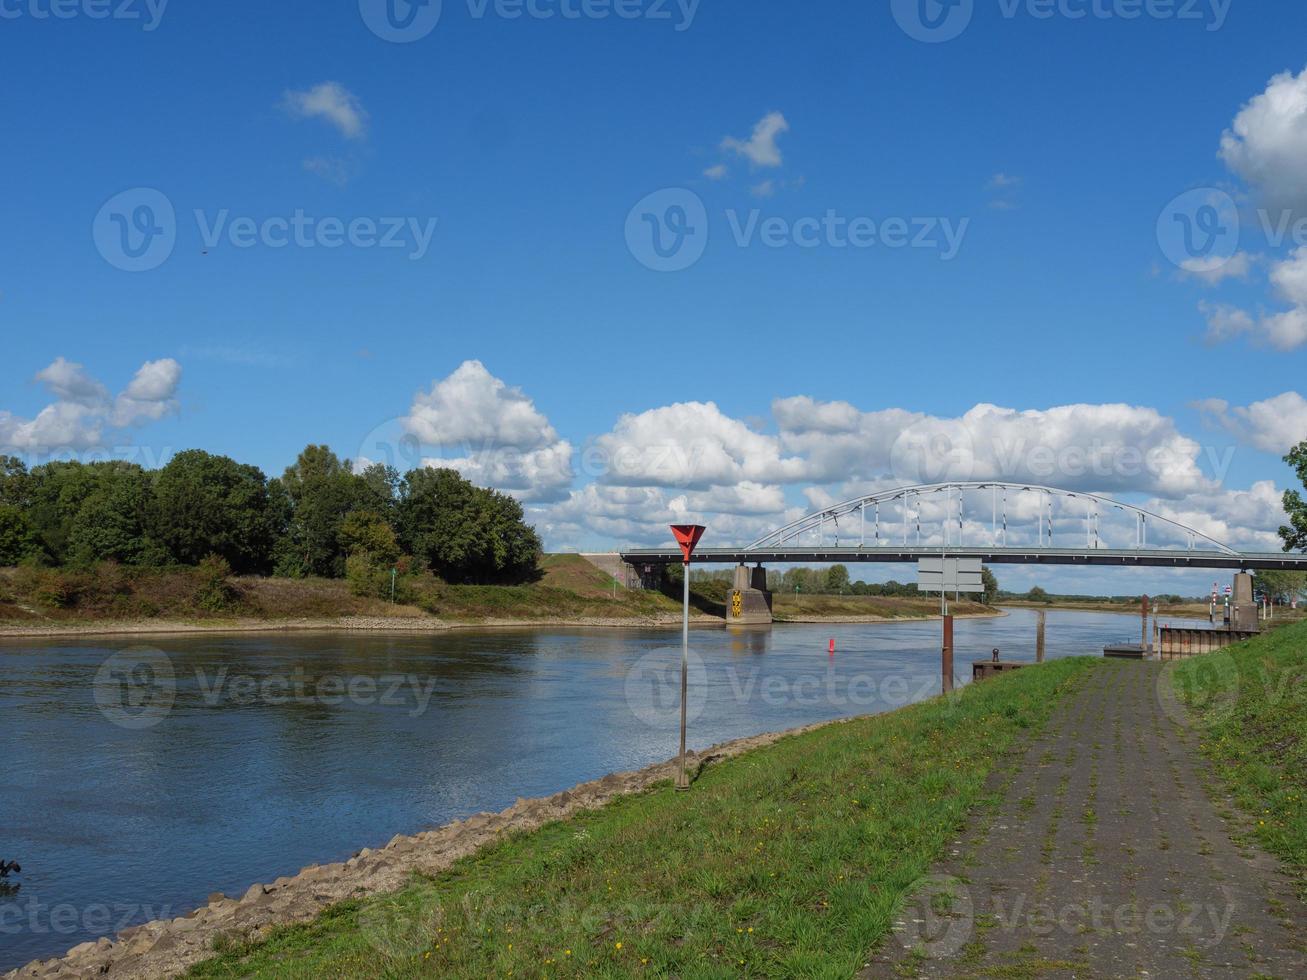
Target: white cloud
765, 188
1001, 181
84, 409
761, 149
691, 445
332, 102
472, 406
498, 437
716, 172
151, 395
1106, 448
1215, 270
1286, 330
1267, 142
1274, 425
1247, 520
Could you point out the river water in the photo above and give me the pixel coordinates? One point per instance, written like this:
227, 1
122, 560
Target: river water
138, 776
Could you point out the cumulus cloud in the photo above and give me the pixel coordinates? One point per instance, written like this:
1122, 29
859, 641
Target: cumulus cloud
1285, 330
1120, 448
760, 149
1267, 142
151, 395
1274, 425
690, 445
332, 103
1247, 520
716, 172
84, 410
497, 436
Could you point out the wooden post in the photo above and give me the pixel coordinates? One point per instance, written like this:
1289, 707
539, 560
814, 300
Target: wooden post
947, 664
1039, 639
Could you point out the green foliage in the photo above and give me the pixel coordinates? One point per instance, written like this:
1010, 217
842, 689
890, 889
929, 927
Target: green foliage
1037, 594
1282, 587
990, 583
212, 505
837, 580
117, 522
17, 540
1294, 533
213, 590
465, 534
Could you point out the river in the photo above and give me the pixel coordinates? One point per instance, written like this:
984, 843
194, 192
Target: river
139, 775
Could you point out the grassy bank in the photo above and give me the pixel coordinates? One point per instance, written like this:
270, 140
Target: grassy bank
1251, 701
570, 589
835, 607
786, 861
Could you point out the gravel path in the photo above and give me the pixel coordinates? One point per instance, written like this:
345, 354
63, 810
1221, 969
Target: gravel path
1111, 853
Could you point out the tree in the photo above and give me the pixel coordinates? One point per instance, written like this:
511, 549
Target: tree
118, 523
1037, 595
212, 505
1295, 532
17, 540
837, 579
1282, 587
465, 533
990, 584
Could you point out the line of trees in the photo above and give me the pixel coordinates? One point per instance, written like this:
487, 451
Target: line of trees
835, 580
320, 518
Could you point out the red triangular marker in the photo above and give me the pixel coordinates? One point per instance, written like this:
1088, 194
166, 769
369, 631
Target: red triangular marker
687, 536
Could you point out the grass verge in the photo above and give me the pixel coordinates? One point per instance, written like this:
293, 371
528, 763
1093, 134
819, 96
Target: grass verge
787, 861
1251, 704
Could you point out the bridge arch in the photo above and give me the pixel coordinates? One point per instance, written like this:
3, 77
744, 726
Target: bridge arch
903, 528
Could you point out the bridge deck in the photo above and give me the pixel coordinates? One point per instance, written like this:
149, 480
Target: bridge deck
1175, 558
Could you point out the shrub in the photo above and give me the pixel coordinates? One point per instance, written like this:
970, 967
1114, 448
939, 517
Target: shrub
213, 591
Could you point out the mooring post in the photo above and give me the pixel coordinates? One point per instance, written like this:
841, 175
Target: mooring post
1039, 638
1143, 628
947, 665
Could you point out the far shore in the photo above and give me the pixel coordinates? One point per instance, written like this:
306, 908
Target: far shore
411, 625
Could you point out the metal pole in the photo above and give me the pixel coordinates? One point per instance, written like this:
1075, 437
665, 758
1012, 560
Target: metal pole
681, 781
1039, 638
948, 654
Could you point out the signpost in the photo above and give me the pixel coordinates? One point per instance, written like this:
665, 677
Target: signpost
945, 575
687, 536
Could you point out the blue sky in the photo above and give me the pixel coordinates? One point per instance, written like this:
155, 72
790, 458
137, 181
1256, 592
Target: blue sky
1052, 143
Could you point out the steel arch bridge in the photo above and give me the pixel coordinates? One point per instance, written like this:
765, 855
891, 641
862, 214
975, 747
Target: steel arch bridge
857, 530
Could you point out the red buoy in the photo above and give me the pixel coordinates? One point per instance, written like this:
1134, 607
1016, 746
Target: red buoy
832, 644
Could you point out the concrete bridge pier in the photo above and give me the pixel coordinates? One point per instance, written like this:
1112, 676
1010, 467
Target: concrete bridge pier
749, 603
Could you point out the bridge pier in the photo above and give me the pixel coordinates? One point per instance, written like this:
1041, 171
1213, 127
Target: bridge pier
1243, 611
749, 603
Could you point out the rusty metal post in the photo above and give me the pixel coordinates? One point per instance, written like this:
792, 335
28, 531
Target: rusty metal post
1039, 638
947, 665
1143, 629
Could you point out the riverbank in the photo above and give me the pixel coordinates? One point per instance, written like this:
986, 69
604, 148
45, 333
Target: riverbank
570, 593
802, 844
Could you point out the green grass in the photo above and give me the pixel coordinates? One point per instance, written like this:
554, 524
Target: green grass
786, 861
1251, 702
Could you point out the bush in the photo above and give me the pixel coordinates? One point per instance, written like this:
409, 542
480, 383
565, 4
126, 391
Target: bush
213, 591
